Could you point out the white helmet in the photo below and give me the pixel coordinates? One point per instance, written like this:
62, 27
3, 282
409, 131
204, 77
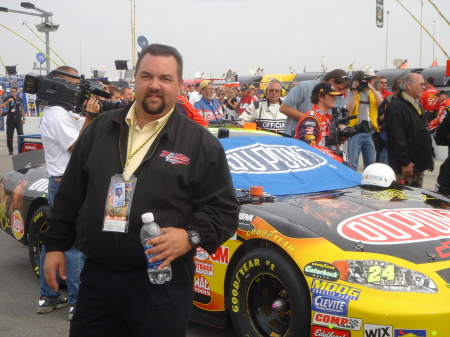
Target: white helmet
378, 174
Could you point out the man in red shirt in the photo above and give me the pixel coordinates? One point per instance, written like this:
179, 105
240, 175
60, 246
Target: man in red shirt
246, 99
313, 127
429, 99
382, 87
443, 101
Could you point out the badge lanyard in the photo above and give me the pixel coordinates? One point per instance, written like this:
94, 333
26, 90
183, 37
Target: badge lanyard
118, 204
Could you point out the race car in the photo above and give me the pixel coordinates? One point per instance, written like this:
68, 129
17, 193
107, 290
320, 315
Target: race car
315, 254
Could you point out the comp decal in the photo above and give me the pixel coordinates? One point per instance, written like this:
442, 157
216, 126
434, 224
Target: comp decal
320, 331
375, 330
322, 270
340, 322
328, 304
17, 225
322, 287
398, 226
410, 333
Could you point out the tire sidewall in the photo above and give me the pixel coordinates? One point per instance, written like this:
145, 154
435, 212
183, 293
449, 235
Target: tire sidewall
265, 261
38, 223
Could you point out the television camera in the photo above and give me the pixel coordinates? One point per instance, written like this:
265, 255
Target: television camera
339, 131
57, 90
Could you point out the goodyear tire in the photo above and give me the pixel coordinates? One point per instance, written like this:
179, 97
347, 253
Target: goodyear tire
268, 297
38, 223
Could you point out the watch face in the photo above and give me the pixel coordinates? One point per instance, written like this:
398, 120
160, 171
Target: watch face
194, 237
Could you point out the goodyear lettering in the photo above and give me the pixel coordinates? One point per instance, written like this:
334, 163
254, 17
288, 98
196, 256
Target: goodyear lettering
272, 236
237, 282
334, 289
38, 216
323, 265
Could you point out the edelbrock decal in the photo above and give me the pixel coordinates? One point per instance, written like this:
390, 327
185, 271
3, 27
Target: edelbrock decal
398, 226
270, 159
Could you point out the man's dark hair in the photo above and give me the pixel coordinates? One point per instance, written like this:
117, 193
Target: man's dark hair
430, 80
15, 88
339, 76
315, 98
156, 49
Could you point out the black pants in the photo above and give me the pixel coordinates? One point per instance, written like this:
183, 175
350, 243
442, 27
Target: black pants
126, 304
13, 123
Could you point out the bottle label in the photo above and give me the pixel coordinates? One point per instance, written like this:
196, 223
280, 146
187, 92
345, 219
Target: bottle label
151, 265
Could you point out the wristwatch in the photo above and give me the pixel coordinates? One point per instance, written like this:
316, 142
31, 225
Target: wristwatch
194, 238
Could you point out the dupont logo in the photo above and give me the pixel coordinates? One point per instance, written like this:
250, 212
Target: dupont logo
269, 159
397, 226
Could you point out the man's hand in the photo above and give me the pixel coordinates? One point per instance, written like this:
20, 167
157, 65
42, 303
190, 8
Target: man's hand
23, 121
92, 105
170, 245
54, 261
408, 171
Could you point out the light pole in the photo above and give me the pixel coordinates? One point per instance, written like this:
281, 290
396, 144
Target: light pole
46, 26
434, 24
387, 30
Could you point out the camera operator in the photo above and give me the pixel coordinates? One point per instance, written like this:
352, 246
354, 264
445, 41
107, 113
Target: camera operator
313, 126
363, 101
60, 129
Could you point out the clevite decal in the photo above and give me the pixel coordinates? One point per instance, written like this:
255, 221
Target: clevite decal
328, 304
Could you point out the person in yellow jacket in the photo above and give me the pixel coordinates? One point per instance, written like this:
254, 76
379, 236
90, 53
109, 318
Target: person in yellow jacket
363, 100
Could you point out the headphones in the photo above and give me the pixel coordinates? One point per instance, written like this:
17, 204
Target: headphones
282, 93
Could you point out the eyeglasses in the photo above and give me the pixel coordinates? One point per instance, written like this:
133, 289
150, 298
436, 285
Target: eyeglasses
382, 82
13, 92
421, 84
274, 90
221, 94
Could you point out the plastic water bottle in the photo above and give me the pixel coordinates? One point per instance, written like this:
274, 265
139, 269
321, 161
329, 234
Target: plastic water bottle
151, 230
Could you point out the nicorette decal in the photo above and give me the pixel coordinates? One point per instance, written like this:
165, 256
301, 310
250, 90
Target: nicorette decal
322, 270
328, 304
397, 226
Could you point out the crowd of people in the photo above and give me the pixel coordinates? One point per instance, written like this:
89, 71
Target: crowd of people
109, 155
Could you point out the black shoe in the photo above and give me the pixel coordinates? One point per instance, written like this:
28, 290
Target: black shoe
11, 153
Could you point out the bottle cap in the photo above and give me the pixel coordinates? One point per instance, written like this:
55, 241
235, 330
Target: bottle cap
147, 217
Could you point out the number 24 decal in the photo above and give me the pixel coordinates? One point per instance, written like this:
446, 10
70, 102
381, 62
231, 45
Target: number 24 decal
377, 272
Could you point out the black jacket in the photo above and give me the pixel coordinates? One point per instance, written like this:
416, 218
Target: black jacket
199, 195
408, 137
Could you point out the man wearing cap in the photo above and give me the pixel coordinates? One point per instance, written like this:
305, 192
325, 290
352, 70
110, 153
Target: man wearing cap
210, 108
429, 99
265, 113
195, 96
313, 127
298, 101
363, 101
247, 98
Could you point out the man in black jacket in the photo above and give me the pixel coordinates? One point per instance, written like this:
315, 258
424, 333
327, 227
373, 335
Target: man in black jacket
178, 171
16, 117
410, 150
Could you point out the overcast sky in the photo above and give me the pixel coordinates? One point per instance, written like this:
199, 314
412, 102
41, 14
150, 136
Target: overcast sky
216, 35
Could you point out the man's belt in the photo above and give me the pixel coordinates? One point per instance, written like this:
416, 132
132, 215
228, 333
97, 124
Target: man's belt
56, 178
